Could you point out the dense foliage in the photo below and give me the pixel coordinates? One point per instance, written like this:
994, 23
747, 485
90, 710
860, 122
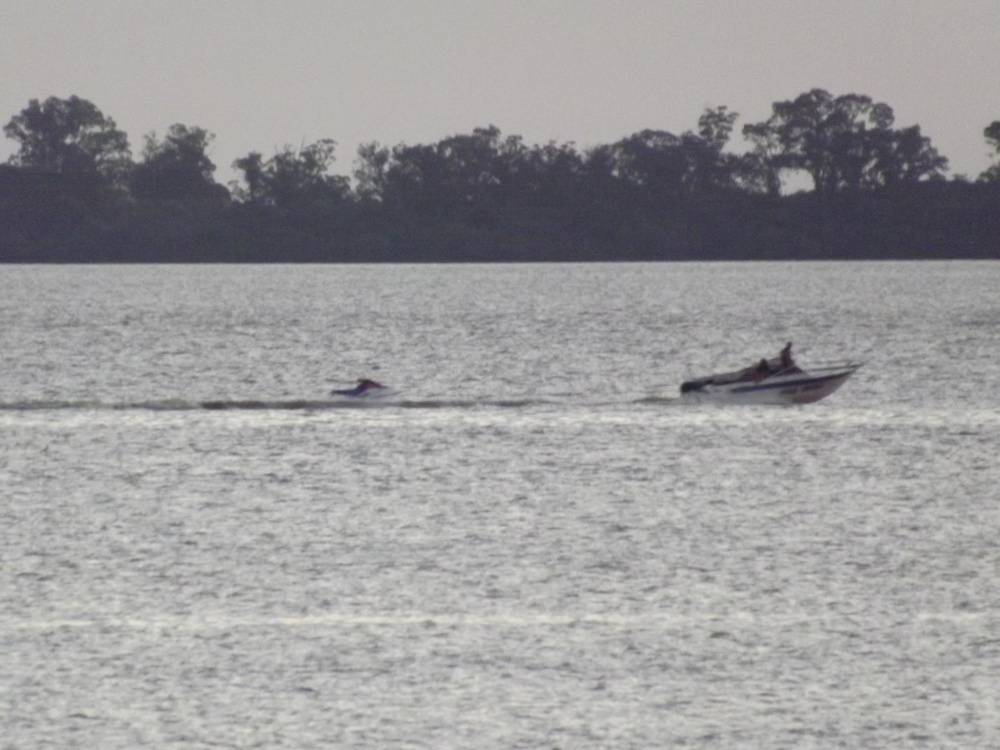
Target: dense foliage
72, 193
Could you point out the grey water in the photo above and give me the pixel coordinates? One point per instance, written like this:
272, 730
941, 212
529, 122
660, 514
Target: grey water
536, 544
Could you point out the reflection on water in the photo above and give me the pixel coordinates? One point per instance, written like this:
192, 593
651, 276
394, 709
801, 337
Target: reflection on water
536, 545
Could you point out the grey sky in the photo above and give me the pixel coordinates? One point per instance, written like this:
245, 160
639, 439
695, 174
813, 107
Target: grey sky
264, 73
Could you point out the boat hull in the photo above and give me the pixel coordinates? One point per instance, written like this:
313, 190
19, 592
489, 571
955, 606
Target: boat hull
802, 387
370, 394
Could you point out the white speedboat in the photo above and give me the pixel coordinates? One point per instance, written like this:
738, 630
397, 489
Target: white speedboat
771, 384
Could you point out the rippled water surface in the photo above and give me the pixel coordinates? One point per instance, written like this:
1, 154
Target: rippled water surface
535, 545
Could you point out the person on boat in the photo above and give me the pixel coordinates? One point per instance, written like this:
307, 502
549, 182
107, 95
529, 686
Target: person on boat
787, 362
762, 370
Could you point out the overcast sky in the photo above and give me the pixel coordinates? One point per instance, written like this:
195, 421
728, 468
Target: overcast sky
260, 74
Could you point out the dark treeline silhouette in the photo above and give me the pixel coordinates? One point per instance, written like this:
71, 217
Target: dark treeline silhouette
74, 193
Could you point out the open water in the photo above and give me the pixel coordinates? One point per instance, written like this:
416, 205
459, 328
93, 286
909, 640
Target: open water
536, 546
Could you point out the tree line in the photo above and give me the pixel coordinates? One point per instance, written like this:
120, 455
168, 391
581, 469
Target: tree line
73, 192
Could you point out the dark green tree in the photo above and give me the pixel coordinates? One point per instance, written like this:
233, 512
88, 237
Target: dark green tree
483, 174
177, 167
370, 169
843, 143
663, 166
254, 178
464, 178
761, 170
992, 135
651, 166
293, 178
415, 179
69, 136
299, 178
900, 157
711, 168
552, 176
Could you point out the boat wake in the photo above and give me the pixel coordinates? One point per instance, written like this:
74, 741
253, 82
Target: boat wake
305, 405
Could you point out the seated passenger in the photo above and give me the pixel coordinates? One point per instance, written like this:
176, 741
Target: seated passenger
762, 370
